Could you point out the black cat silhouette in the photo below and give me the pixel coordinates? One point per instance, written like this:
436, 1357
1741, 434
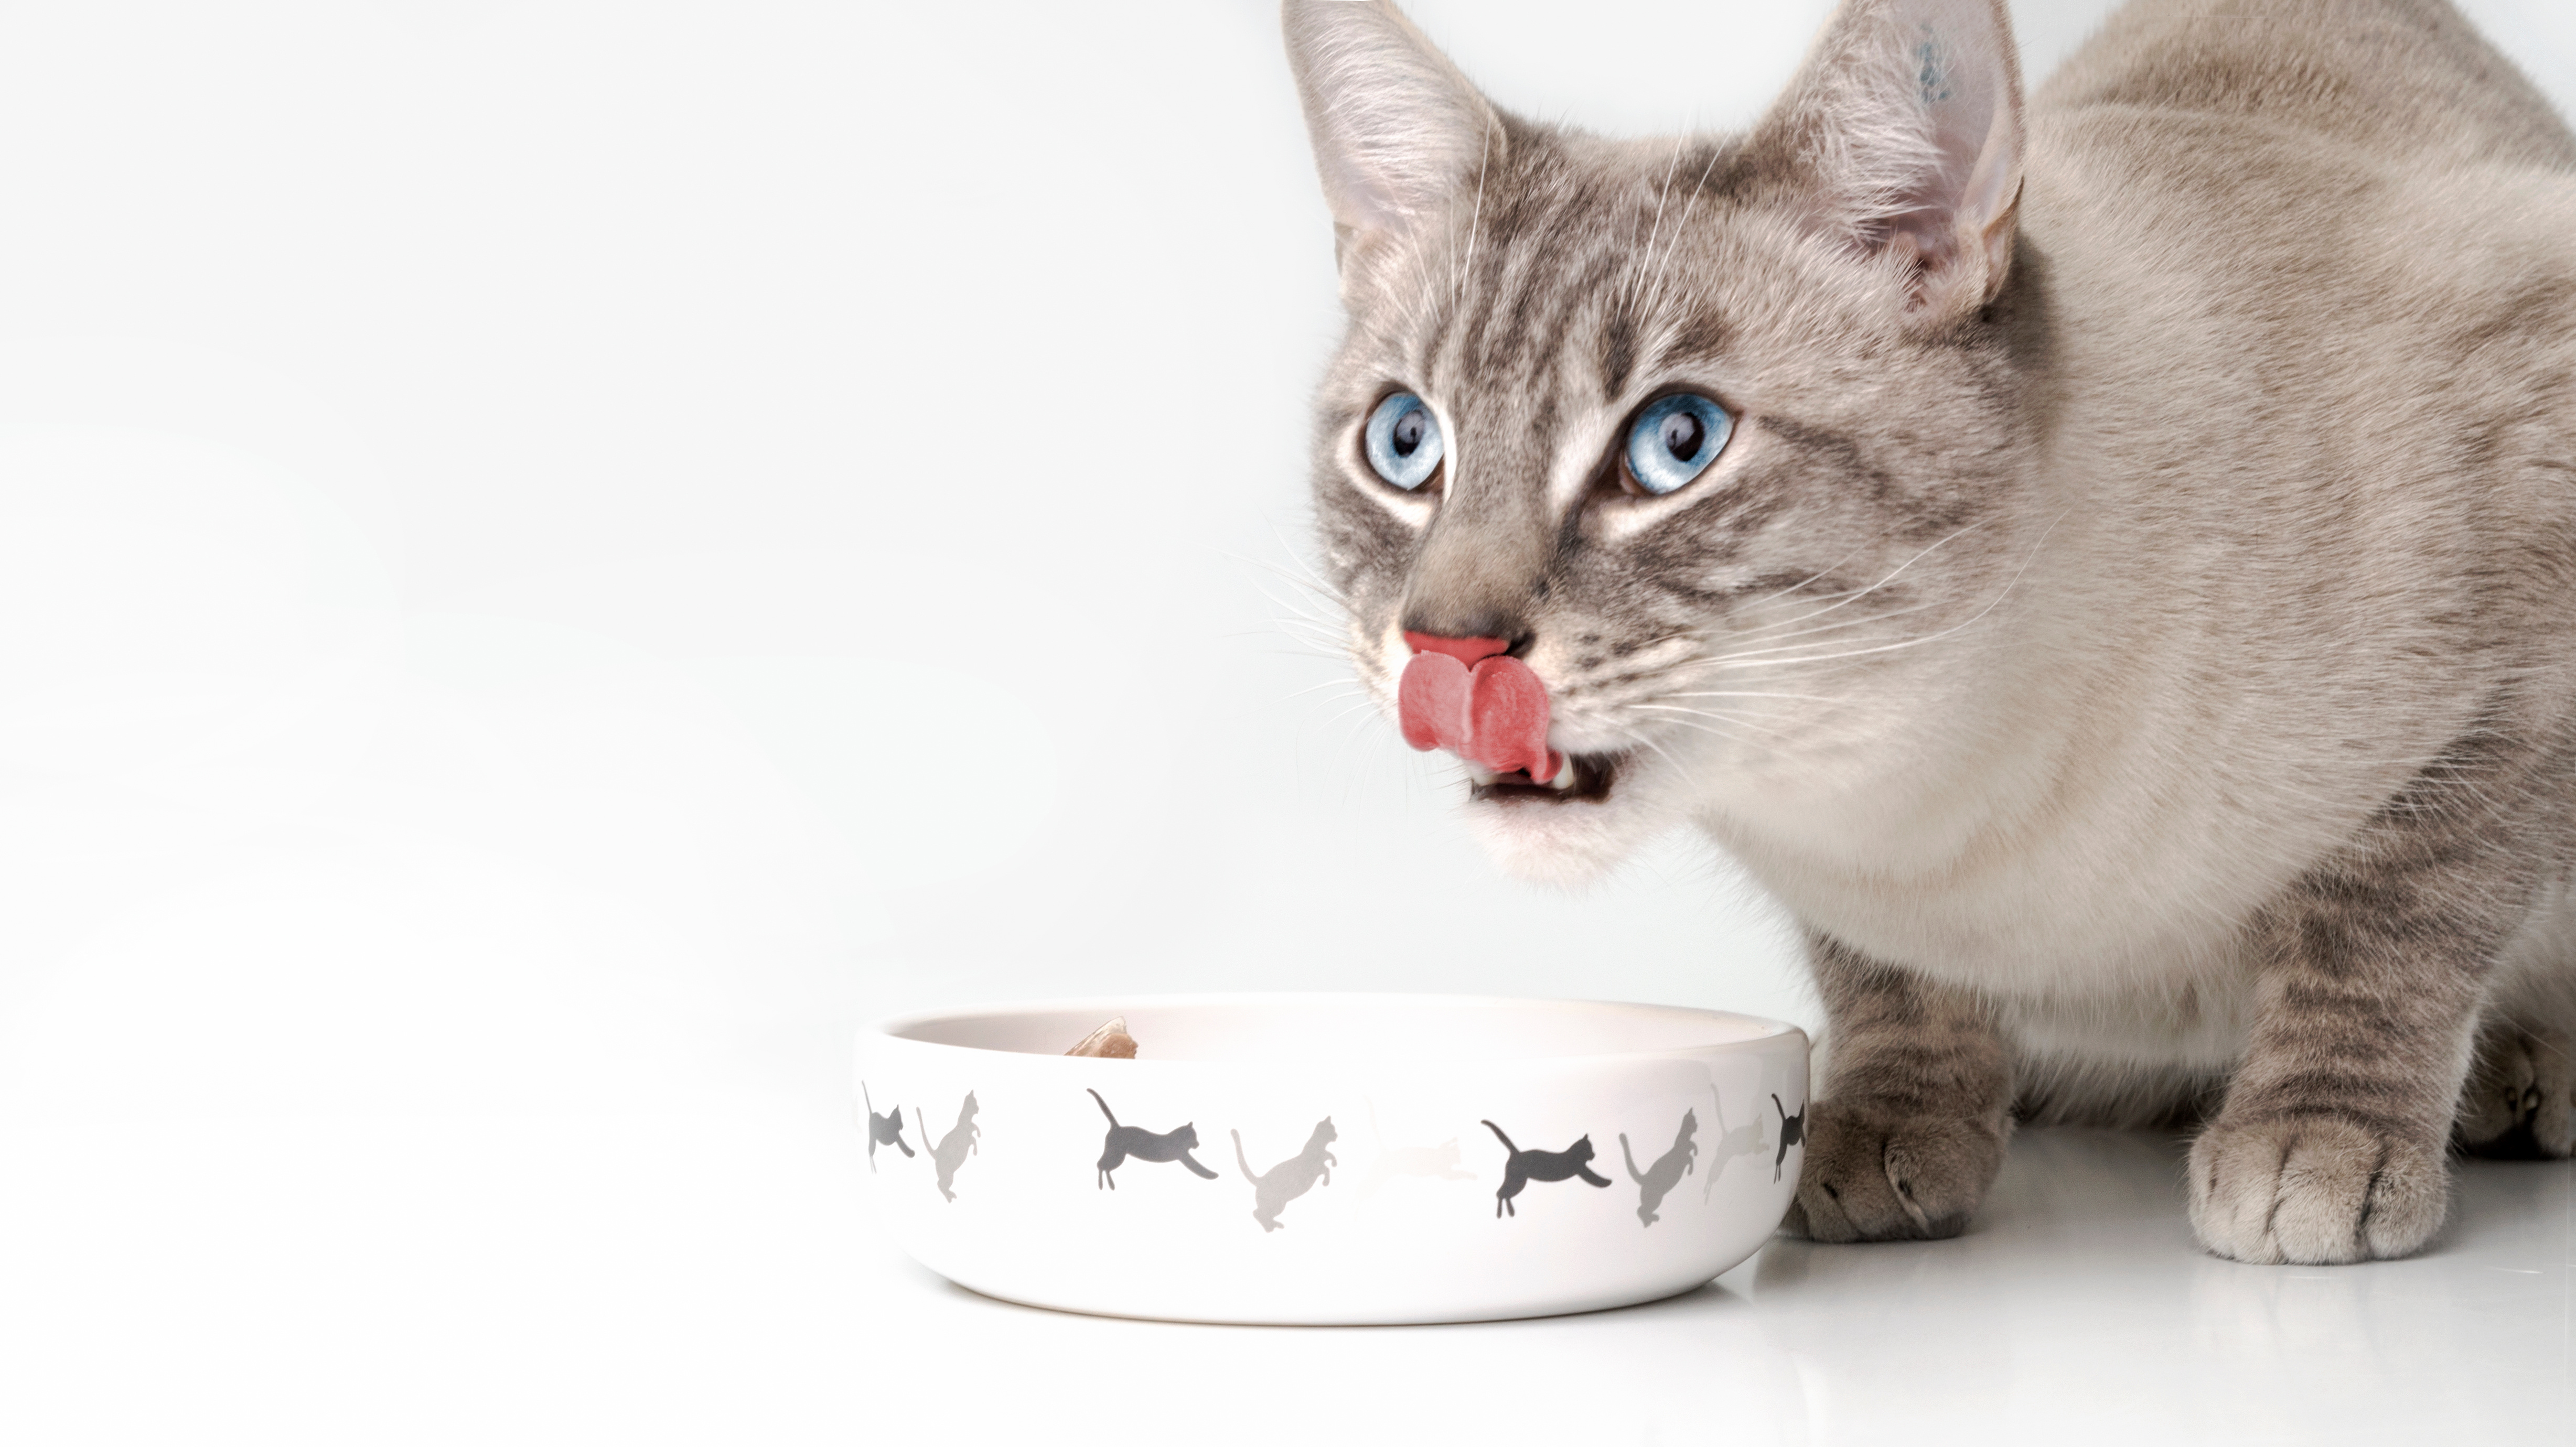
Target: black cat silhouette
1523, 1167
883, 1130
1659, 1180
1144, 1145
1292, 1177
954, 1147
1793, 1129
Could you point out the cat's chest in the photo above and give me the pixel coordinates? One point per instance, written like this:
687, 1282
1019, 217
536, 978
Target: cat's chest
2124, 898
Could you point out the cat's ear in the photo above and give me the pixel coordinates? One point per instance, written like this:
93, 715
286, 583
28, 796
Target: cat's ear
1396, 128
1903, 134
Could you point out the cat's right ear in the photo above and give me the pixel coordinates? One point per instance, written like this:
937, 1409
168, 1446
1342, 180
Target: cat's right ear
1902, 138
1397, 130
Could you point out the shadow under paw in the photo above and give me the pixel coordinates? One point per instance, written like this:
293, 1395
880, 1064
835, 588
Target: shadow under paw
1879, 1176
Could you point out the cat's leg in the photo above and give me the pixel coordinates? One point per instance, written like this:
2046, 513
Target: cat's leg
2330, 1146
1909, 1130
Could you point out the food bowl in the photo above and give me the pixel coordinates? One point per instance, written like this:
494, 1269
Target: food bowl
1318, 1159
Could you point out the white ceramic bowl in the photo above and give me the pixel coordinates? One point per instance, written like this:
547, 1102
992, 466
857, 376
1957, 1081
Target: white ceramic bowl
1343, 1170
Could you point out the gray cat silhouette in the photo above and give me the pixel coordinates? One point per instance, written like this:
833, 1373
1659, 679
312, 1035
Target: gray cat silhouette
1744, 1140
1659, 1180
883, 1130
1127, 1140
1521, 1167
954, 1147
1291, 1178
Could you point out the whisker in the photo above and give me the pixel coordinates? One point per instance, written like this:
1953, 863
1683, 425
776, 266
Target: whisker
1476, 217
1972, 620
1637, 274
1655, 294
1739, 693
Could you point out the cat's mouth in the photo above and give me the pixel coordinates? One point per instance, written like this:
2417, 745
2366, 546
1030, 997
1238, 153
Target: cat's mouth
1584, 778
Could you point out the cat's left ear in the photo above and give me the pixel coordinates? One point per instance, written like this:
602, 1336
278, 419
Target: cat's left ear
1904, 134
1397, 130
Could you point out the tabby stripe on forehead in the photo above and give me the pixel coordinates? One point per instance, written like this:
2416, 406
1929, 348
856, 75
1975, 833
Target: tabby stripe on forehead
1516, 272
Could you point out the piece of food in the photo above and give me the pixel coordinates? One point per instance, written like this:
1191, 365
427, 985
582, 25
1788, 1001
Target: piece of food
1109, 1042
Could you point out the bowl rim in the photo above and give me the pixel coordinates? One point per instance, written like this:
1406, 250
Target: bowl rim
890, 1028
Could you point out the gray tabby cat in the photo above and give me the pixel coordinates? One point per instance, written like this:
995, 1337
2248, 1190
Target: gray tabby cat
2108, 567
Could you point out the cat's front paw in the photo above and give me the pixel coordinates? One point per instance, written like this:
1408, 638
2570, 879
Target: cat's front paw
1878, 1176
2315, 1190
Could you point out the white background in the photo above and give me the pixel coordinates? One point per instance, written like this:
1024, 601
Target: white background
555, 558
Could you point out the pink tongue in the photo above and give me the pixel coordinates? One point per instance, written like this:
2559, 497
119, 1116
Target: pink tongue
1495, 715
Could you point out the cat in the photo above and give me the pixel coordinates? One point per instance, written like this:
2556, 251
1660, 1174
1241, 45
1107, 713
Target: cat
1667, 1172
1521, 1167
1793, 1130
1439, 1163
883, 1130
1744, 1140
1291, 1178
2101, 562
954, 1147
1126, 1140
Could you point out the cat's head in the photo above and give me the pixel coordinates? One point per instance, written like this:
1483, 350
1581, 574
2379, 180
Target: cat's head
1324, 1131
1581, 1150
1188, 1136
1709, 442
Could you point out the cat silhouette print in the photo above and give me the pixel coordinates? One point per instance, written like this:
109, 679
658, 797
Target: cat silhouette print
1290, 1178
1793, 1129
1524, 1167
1743, 1140
883, 1130
1658, 1180
952, 1149
1127, 1140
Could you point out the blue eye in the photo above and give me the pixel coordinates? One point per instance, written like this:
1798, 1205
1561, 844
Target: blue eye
1404, 441
1674, 440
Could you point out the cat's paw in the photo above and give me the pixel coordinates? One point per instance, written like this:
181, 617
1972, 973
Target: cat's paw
2520, 1099
1878, 1176
2316, 1190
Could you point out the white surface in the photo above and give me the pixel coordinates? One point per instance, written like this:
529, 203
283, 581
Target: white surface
499, 675
1042, 1200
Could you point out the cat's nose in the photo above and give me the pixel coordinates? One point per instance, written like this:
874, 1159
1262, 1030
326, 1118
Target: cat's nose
1466, 650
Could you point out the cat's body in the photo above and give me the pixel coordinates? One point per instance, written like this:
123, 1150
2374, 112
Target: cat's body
1657, 1181
2129, 620
1124, 1141
1521, 1167
952, 1148
1291, 1178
